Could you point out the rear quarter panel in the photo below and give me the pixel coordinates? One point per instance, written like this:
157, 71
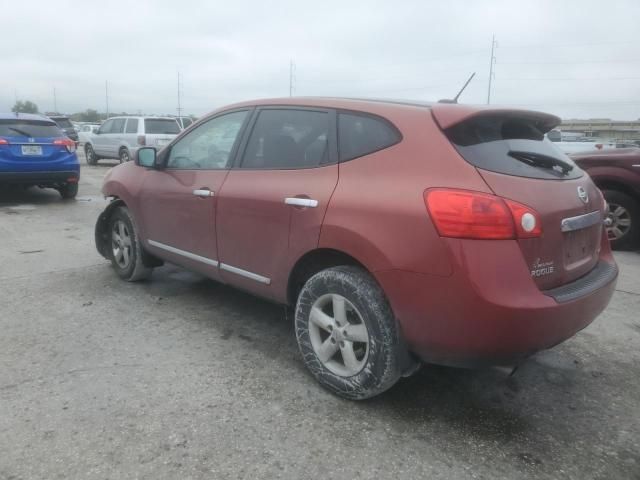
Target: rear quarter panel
377, 213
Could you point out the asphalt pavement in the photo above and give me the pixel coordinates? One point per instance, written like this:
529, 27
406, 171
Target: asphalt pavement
180, 377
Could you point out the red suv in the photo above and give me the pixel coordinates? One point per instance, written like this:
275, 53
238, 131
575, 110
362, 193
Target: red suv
401, 232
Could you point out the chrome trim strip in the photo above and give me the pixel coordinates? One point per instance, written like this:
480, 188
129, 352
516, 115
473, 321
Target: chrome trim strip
637, 166
189, 255
244, 273
581, 221
203, 193
301, 202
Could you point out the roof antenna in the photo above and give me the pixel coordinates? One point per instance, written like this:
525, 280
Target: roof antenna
455, 99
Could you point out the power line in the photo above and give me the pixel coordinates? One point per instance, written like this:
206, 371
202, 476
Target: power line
600, 79
570, 63
567, 45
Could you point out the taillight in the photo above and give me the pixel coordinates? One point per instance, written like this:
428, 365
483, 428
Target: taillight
526, 220
4, 141
142, 140
467, 214
69, 144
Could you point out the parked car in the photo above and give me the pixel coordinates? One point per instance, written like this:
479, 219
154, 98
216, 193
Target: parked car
184, 122
66, 126
86, 132
35, 151
617, 173
120, 137
399, 232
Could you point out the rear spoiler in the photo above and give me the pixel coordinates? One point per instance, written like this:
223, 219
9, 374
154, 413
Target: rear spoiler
448, 115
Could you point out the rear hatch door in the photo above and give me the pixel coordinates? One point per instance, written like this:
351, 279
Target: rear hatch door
30, 145
160, 131
516, 160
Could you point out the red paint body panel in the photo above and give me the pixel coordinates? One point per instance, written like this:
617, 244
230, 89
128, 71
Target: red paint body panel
259, 233
458, 302
489, 311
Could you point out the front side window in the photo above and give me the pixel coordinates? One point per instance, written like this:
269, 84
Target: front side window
360, 135
209, 146
106, 127
132, 125
287, 139
118, 125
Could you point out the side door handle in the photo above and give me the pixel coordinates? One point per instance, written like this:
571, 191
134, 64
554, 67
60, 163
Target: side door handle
203, 192
301, 202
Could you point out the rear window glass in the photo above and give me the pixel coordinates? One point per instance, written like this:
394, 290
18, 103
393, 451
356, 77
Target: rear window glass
360, 135
512, 146
63, 122
29, 128
160, 126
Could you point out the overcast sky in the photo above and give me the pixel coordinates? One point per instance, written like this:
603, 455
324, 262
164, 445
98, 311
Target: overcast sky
572, 58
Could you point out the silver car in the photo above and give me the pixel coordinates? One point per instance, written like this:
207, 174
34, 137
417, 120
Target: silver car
120, 137
86, 131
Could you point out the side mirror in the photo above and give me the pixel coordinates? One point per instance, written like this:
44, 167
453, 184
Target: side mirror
147, 157
96, 132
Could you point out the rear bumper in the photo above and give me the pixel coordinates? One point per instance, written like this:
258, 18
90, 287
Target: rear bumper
489, 311
40, 178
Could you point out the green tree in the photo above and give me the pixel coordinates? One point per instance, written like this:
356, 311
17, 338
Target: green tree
25, 107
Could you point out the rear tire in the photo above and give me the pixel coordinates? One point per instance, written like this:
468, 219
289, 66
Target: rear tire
124, 156
347, 333
624, 219
90, 155
69, 191
125, 251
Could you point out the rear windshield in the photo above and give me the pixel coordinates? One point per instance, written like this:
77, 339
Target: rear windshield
29, 128
512, 146
63, 122
158, 125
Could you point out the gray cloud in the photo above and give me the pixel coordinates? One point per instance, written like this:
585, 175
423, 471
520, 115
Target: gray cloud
572, 58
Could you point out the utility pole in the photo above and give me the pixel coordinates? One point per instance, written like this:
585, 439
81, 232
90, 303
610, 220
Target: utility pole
179, 108
106, 95
494, 44
292, 70
55, 102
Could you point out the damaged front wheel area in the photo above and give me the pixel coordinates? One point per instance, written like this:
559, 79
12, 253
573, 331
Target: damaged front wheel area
347, 333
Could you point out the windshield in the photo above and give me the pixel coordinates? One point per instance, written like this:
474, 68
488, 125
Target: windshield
159, 125
29, 128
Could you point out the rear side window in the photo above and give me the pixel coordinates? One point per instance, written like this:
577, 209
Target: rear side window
161, 126
118, 125
288, 139
511, 146
132, 125
360, 135
29, 128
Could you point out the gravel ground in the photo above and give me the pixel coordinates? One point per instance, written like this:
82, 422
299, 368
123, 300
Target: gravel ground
181, 377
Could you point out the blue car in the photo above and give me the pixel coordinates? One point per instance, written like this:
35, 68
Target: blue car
35, 152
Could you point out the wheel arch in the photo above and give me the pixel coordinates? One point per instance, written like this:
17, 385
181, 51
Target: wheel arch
313, 262
102, 234
622, 187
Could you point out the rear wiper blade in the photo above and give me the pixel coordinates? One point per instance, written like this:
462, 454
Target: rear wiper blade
21, 132
543, 161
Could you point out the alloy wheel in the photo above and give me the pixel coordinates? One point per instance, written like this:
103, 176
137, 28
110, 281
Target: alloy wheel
121, 244
338, 335
618, 221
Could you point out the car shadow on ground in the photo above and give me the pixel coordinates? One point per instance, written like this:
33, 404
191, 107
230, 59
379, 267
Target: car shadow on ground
550, 394
14, 196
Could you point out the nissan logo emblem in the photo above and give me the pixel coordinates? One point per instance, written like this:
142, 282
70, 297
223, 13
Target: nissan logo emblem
582, 195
